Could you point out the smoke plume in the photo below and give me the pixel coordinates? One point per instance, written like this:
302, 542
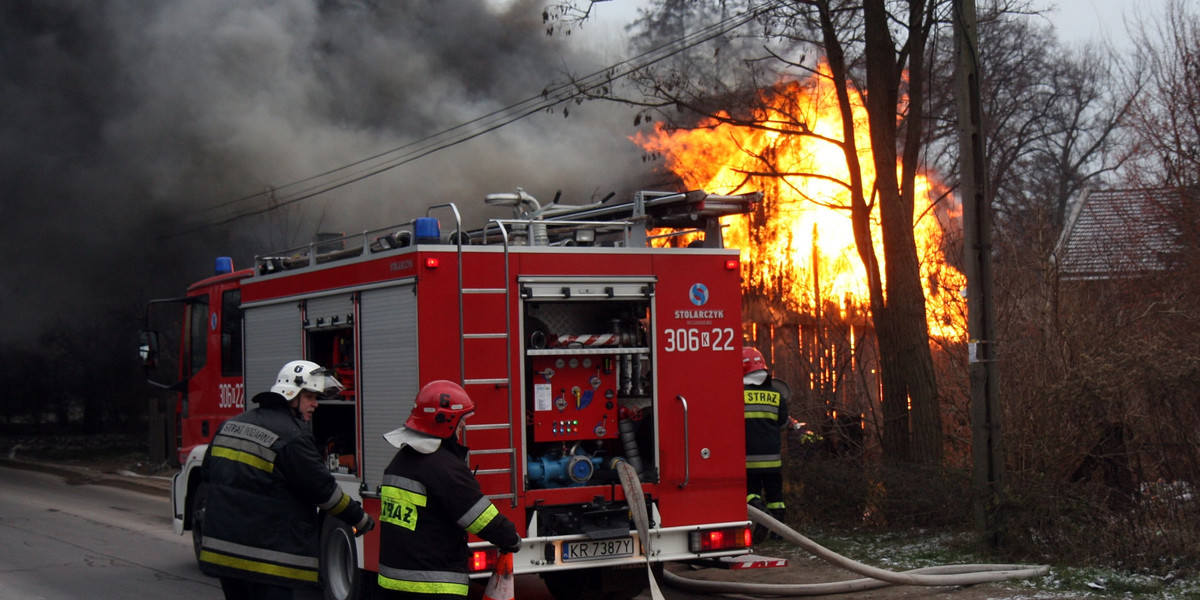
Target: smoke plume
126, 122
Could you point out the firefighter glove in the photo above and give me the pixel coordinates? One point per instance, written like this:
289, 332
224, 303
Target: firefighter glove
513, 549
365, 525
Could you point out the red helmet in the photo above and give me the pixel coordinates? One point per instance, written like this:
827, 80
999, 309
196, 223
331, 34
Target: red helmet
752, 360
440, 406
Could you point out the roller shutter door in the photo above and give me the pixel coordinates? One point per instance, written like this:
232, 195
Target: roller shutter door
273, 337
388, 371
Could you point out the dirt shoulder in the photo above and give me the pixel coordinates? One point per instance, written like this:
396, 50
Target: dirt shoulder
805, 576
113, 460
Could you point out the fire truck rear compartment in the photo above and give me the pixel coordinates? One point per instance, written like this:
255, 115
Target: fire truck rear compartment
598, 519
589, 383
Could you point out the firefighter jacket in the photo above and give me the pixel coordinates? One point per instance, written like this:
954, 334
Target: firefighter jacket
265, 480
766, 415
430, 502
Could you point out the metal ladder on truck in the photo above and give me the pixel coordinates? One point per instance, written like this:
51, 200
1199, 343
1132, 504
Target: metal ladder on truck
505, 227
467, 339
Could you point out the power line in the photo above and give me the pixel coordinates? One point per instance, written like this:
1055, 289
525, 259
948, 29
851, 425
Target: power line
551, 96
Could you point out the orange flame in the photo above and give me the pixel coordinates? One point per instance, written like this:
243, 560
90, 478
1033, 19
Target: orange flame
808, 245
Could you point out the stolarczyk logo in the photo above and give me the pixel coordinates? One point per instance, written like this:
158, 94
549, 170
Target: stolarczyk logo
698, 294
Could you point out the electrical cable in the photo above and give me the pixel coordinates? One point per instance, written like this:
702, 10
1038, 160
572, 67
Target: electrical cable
550, 97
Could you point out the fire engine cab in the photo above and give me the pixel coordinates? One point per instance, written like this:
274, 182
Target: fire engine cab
588, 336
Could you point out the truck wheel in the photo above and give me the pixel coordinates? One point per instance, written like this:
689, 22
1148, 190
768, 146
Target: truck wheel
341, 579
198, 502
607, 583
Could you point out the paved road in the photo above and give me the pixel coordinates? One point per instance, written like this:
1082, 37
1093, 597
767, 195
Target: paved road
68, 541
75, 534
64, 537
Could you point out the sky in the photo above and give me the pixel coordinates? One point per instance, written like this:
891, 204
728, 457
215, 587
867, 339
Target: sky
1084, 21
124, 122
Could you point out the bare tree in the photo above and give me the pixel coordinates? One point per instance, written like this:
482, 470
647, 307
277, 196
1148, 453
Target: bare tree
1166, 118
1054, 122
876, 50
1089, 367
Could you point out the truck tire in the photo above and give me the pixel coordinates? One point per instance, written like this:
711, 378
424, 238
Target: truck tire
606, 583
198, 502
341, 579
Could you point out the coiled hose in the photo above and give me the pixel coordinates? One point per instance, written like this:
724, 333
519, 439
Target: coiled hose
948, 575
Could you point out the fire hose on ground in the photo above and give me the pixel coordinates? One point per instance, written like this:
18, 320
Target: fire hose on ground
874, 577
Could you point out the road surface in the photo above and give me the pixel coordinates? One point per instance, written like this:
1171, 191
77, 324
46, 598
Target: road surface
65, 541
64, 538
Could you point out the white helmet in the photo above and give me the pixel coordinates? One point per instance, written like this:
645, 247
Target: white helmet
304, 375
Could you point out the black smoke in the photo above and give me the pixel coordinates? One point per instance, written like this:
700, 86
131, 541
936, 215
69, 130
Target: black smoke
128, 127
123, 121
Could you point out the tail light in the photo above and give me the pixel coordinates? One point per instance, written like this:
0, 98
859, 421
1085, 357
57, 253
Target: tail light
483, 559
711, 540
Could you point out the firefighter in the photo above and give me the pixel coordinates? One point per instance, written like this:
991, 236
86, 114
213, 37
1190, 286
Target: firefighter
264, 477
766, 417
431, 501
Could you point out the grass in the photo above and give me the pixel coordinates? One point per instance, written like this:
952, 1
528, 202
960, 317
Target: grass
910, 549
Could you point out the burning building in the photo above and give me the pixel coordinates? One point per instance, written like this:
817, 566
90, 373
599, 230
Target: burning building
806, 295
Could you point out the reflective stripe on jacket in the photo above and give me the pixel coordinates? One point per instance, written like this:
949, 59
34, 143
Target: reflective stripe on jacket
429, 503
265, 480
766, 413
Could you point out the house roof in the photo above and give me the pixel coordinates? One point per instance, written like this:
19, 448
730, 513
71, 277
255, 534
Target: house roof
1120, 233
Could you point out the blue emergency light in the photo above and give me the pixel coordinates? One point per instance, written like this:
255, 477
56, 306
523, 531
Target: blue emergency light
428, 230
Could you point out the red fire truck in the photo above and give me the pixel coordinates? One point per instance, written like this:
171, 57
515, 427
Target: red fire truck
584, 336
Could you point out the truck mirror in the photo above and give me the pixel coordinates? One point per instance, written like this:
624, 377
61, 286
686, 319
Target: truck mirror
148, 355
148, 348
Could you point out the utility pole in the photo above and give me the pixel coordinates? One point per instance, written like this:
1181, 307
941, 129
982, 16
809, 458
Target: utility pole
987, 450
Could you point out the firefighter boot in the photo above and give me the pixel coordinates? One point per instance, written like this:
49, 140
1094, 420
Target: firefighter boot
759, 535
778, 514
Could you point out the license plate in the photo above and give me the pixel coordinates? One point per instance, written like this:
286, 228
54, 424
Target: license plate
591, 550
